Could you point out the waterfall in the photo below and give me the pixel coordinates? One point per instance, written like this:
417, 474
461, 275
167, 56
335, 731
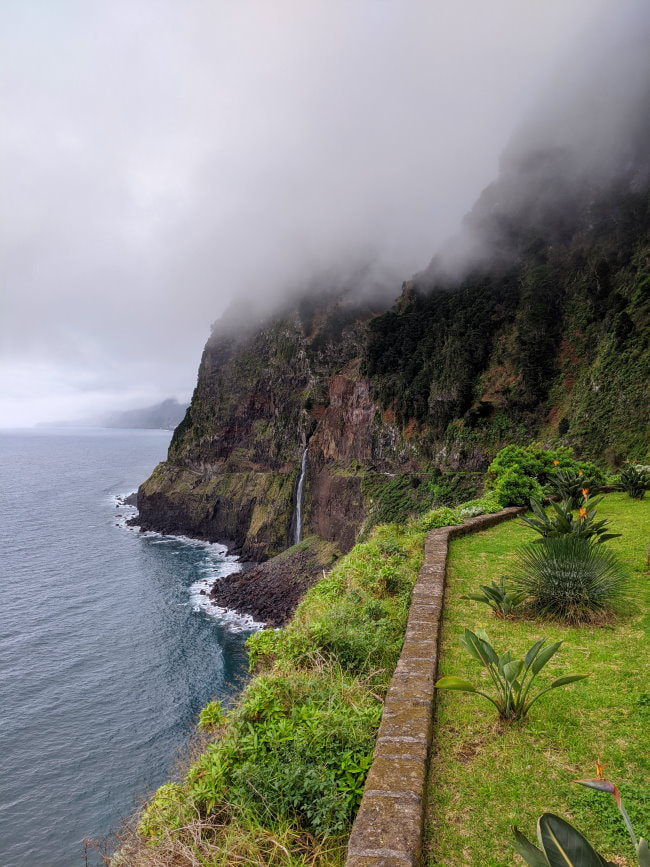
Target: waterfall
297, 533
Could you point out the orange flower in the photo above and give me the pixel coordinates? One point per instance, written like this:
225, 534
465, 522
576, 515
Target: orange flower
599, 769
579, 472
582, 513
556, 463
585, 492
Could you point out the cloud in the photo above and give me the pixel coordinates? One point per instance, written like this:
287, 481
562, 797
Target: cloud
161, 159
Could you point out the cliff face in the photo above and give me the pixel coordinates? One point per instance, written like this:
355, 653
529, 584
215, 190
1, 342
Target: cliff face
547, 339
263, 397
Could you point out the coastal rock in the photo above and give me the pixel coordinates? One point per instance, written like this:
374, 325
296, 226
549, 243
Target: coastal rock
270, 591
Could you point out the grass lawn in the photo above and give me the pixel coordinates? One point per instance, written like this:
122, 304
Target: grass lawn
485, 778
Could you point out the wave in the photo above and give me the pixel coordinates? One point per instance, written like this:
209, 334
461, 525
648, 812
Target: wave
216, 563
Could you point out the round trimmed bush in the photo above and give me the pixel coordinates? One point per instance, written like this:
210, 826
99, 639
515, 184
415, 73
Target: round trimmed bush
569, 578
516, 489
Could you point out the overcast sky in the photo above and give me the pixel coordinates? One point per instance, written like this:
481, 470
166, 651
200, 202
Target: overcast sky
159, 158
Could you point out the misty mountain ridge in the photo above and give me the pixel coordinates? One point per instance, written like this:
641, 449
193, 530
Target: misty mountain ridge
166, 415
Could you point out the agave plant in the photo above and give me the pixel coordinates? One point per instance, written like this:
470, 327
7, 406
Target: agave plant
569, 578
512, 678
635, 480
562, 844
568, 485
502, 600
560, 521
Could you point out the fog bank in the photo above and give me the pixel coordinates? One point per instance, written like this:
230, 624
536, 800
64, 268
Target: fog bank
161, 159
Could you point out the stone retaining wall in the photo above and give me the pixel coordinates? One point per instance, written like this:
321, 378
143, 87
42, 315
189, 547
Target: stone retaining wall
389, 826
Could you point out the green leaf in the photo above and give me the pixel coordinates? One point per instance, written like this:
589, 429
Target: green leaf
564, 845
470, 648
451, 682
482, 649
504, 659
568, 678
531, 854
533, 651
486, 647
544, 655
512, 670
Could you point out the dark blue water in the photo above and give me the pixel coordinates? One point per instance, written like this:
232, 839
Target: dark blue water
105, 660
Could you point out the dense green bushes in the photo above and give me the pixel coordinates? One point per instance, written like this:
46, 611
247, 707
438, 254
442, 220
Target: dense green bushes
517, 474
292, 756
399, 498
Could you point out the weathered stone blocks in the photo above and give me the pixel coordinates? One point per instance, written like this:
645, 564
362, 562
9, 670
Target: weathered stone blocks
389, 825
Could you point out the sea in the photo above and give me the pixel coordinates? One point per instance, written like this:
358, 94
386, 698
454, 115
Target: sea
108, 649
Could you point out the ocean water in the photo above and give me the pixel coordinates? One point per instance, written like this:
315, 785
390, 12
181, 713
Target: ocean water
107, 649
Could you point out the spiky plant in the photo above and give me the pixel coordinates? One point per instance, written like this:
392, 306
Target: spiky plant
568, 485
635, 480
569, 578
561, 522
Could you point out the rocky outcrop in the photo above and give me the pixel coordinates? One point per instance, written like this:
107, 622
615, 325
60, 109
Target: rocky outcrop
270, 592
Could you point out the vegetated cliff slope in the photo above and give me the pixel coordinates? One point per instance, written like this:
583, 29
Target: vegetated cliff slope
551, 340
547, 336
262, 396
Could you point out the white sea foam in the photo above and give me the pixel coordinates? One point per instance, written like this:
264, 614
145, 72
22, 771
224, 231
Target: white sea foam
233, 620
216, 563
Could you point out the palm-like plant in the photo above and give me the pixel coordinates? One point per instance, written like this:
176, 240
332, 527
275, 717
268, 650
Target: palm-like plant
570, 578
561, 522
513, 678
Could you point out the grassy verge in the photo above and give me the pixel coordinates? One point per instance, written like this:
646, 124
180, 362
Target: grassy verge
279, 780
485, 778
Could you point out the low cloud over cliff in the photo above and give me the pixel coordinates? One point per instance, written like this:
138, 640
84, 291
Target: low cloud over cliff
161, 159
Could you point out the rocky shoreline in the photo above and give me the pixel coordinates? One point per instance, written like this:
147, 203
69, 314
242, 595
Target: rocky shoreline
269, 592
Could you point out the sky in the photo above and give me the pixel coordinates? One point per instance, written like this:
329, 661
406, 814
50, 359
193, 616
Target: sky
161, 159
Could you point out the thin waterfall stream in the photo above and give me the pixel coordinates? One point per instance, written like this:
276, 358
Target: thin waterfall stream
299, 489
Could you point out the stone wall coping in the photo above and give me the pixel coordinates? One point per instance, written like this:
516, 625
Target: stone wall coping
389, 828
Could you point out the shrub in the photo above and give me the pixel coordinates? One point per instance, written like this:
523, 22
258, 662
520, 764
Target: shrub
291, 753
634, 480
482, 506
592, 472
512, 677
211, 716
167, 811
514, 458
560, 521
570, 578
541, 464
515, 489
442, 517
